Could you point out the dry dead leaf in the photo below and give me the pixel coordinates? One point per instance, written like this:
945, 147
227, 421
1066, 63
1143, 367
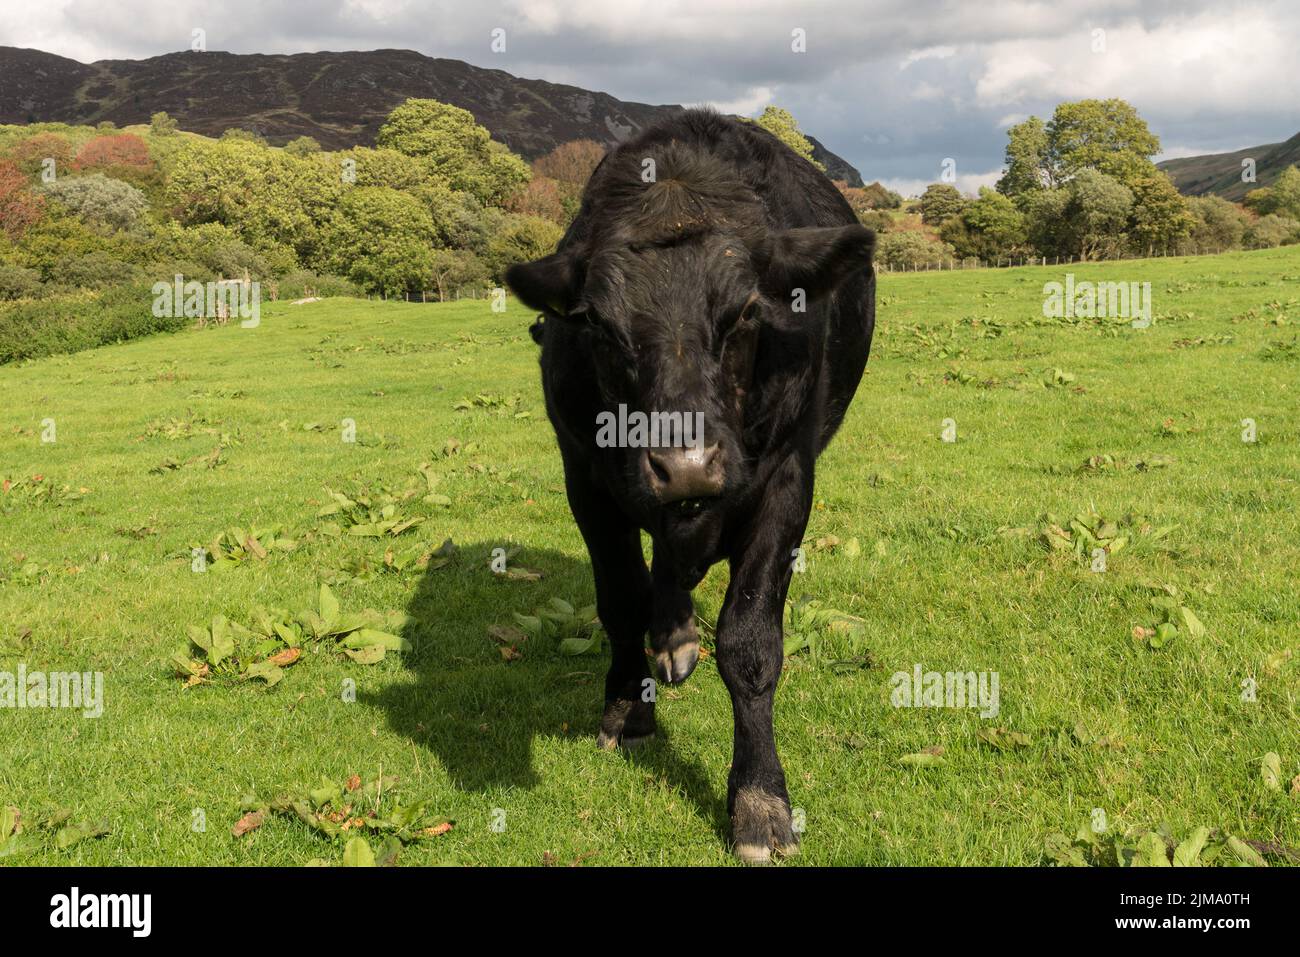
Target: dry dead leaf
286, 657
249, 822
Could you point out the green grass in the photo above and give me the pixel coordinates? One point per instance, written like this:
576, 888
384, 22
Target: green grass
470, 732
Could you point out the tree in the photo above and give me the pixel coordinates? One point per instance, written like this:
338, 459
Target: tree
267, 196
1286, 193
119, 149
161, 124
1096, 214
1104, 135
32, 153
1088, 217
1272, 230
572, 162
878, 197
455, 147
939, 202
1261, 201
987, 228
1218, 224
520, 239
1045, 224
1026, 158
378, 167
381, 239
99, 200
542, 197
1160, 214
20, 208
302, 146
782, 124
453, 268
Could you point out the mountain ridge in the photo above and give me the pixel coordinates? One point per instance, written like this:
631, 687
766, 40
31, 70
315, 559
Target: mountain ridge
1219, 174
339, 98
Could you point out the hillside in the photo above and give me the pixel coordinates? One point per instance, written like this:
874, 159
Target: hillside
339, 98
1220, 173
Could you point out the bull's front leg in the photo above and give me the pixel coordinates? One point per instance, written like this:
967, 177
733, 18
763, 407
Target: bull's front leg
673, 635
624, 599
750, 654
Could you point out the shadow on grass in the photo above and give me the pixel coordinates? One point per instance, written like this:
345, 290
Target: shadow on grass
480, 714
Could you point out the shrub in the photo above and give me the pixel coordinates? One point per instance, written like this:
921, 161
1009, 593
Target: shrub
909, 249
876, 219
1272, 230
520, 239
72, 323
940, 202
302, 283
162, 124
302, 146
571, 162
121, 149
19, 282
1218, 225
32, 153
20, 208
95, 270
99, 200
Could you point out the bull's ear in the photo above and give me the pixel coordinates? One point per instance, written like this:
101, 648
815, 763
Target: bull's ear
547, 285
814, 259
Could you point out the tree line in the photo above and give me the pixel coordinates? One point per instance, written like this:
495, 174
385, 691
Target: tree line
1080, 186
437, 204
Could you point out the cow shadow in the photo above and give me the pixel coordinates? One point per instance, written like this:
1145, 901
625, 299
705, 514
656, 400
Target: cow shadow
481, 715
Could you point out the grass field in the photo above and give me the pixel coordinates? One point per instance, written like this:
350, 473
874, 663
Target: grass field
943, 552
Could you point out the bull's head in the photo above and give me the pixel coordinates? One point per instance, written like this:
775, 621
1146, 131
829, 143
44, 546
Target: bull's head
678, 329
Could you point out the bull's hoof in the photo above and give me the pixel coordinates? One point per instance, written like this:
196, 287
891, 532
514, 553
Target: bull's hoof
626, 724
676, 653
761, 827
628, 742
674, 665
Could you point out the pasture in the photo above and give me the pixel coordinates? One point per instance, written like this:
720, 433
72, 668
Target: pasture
973, 555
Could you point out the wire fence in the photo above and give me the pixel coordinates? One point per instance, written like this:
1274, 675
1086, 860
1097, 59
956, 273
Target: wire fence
451, 294
1007, 262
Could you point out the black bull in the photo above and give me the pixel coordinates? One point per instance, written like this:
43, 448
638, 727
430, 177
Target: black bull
712, 275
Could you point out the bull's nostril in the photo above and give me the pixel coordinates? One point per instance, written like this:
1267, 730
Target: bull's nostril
683, 476
659, 469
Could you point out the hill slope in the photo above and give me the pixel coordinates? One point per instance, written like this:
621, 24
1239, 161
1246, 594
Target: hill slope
339, 98
1219, 174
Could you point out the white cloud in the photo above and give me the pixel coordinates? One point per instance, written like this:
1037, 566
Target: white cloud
967, 184
747, 105
929, 53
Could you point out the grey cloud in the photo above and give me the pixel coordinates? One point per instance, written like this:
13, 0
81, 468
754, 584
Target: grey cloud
850, 89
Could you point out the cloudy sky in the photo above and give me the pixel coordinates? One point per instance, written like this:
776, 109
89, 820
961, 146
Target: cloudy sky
894, 86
